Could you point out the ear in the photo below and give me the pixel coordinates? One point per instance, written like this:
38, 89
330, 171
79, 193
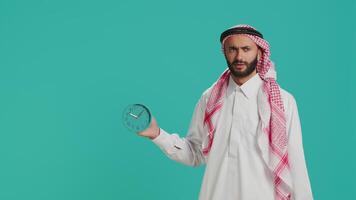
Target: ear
259, 54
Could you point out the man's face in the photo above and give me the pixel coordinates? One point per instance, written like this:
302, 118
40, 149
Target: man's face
241, 55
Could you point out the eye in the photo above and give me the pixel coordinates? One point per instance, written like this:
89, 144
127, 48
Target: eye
231, 49
246, 49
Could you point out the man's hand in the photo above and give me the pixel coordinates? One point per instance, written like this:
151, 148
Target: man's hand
152, 131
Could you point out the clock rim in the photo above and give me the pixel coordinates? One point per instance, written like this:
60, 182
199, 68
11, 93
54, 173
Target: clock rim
136, 104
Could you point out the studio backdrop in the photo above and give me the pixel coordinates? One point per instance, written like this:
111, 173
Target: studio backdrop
69, 68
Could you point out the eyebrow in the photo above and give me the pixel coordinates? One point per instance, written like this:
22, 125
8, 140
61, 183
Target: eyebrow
244, 47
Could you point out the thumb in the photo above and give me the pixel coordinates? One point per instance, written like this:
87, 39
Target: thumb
152, 131
153, 122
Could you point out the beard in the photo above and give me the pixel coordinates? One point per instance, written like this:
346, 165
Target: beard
250, 67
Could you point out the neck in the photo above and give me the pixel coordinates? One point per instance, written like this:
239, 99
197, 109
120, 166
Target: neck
241, 80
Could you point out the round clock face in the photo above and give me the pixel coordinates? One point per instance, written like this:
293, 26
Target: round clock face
136, 117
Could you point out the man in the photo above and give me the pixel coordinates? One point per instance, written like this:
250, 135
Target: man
245, 128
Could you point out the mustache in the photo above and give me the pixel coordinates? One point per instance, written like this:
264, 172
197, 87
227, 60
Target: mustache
236, 62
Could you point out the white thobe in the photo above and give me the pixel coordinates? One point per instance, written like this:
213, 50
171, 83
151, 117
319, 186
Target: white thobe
235, 169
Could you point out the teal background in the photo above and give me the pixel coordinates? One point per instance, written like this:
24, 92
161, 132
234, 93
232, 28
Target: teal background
68, 68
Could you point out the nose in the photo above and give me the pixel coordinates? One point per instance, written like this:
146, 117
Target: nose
238, 55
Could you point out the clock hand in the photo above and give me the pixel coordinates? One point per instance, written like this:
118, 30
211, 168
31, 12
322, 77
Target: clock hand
133, 115
140, 113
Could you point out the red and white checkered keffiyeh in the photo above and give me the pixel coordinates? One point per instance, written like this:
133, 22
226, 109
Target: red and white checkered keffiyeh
271, 111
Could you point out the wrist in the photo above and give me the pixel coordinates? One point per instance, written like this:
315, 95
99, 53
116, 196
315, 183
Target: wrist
158, 132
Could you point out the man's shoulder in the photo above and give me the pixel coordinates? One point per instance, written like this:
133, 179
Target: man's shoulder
288, 100
207, 92
286, 94
205, 97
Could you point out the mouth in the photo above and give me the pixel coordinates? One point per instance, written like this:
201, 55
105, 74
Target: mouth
240, 66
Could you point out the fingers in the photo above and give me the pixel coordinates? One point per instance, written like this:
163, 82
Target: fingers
153, 122
151, 131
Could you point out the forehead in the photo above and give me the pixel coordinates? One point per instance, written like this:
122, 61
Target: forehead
239, 40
